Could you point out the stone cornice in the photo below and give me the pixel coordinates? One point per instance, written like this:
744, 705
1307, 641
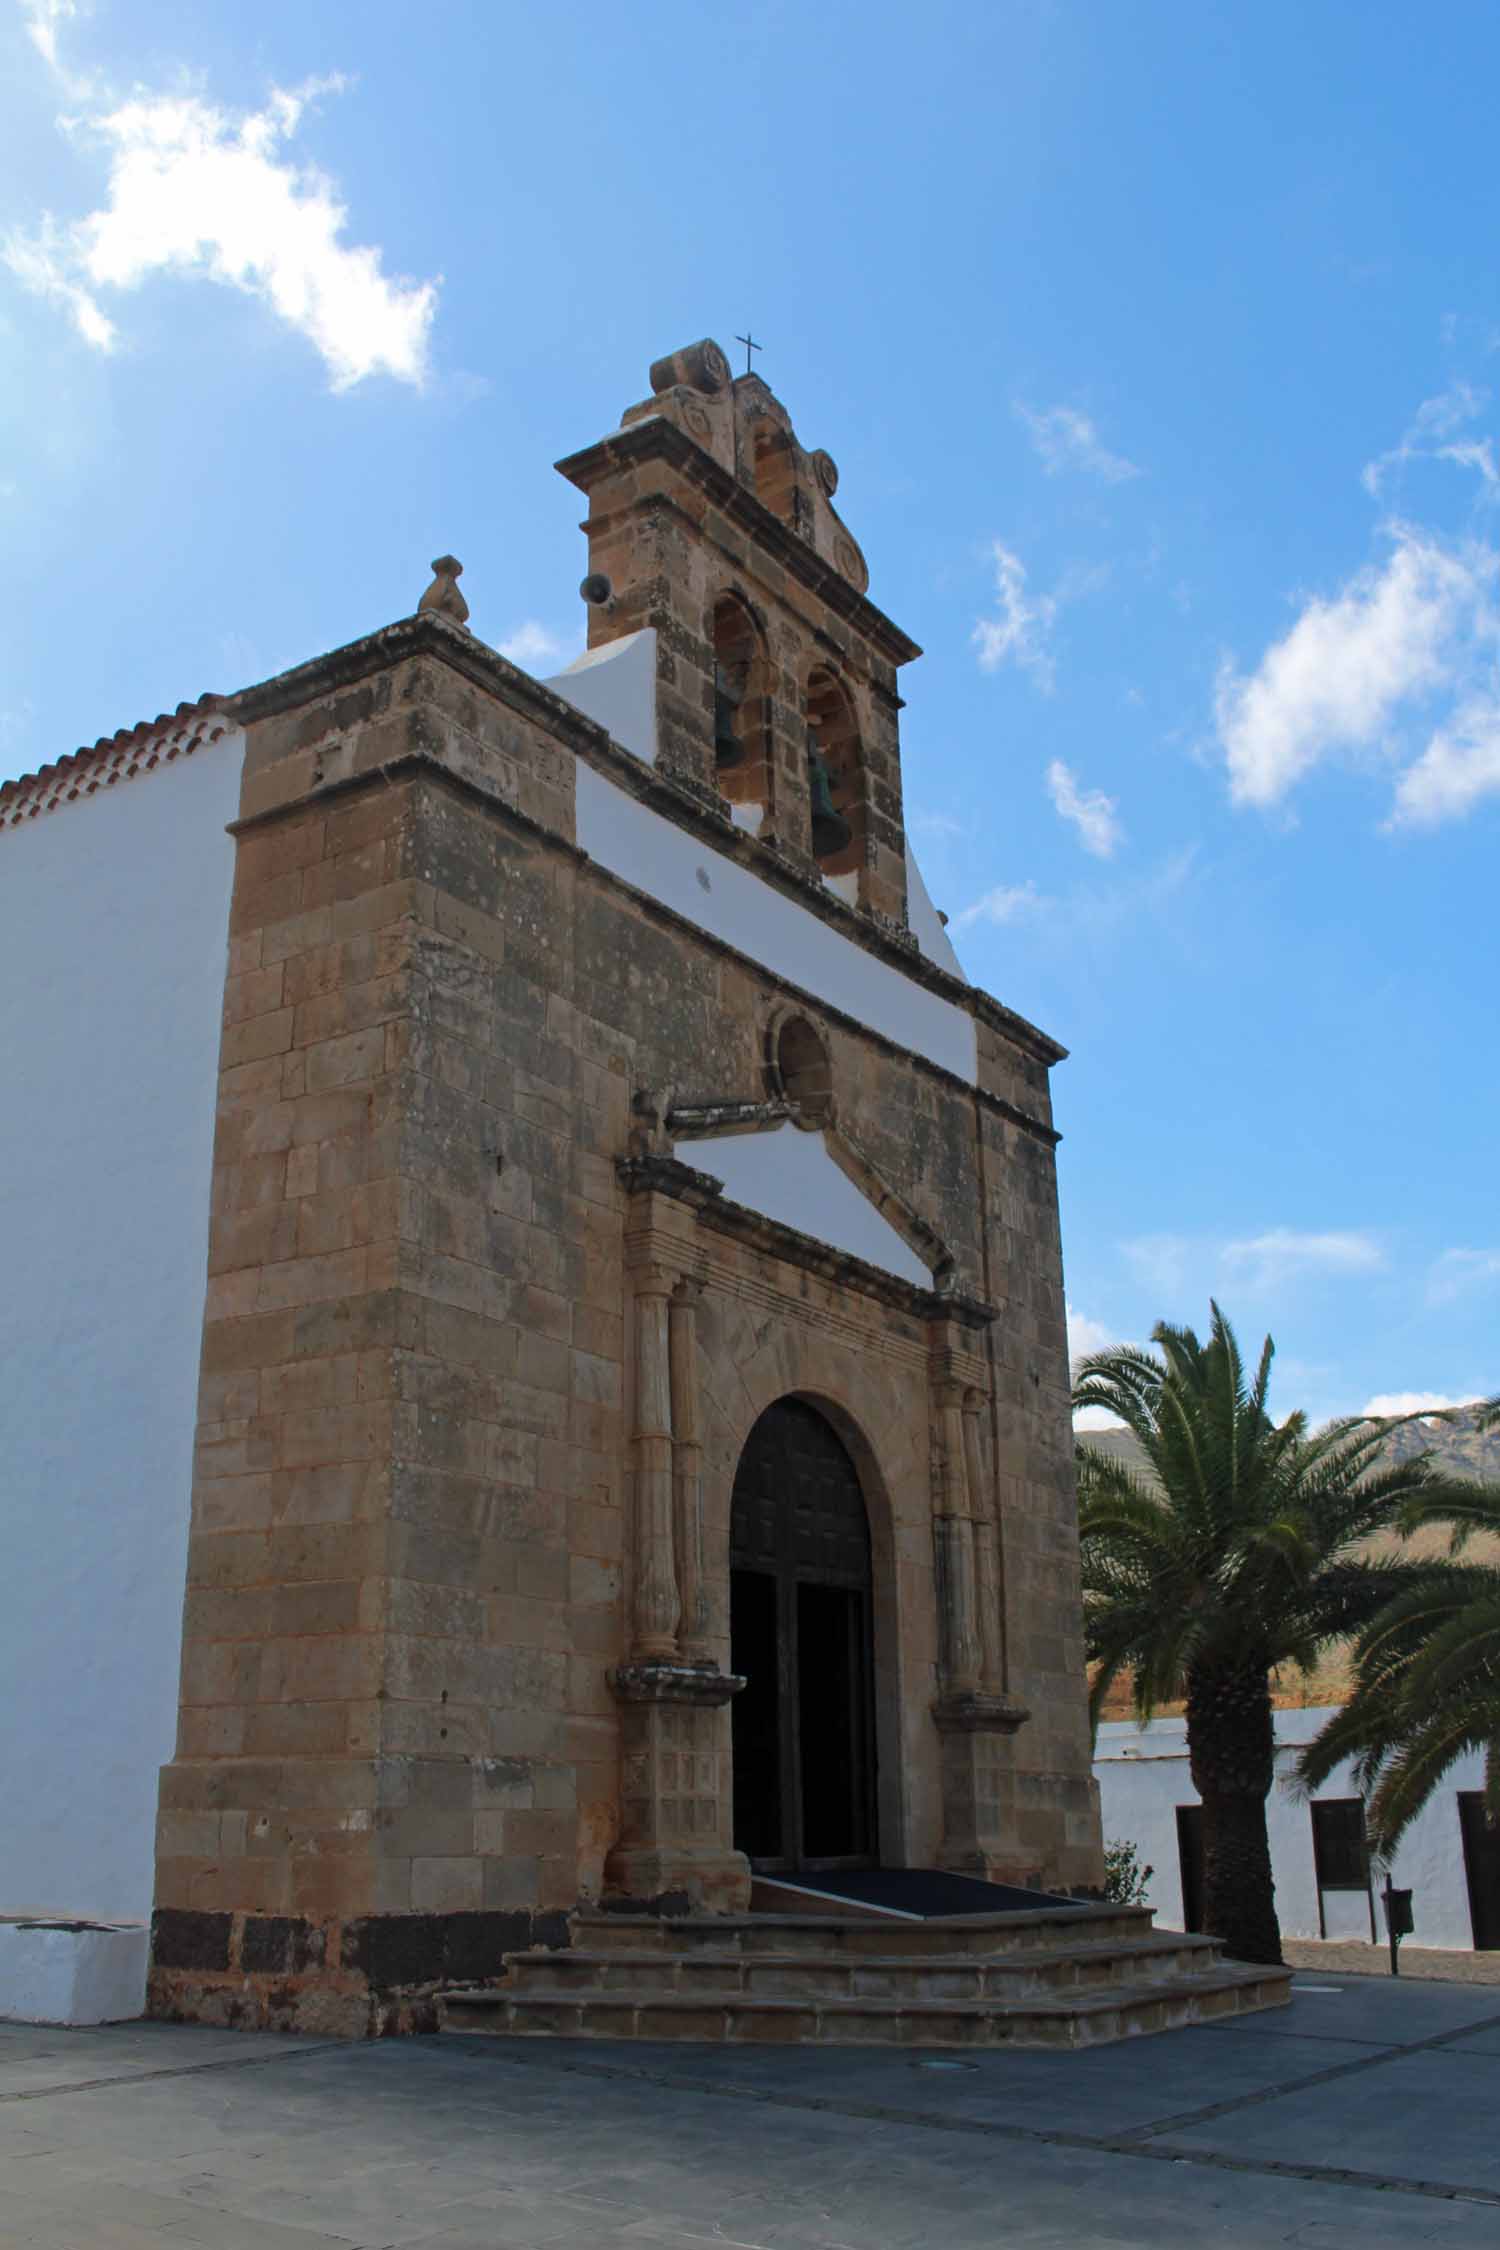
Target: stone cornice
429, 635
704, 1196
654, 438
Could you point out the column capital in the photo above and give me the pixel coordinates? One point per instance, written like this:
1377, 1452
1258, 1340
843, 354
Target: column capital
653, 1280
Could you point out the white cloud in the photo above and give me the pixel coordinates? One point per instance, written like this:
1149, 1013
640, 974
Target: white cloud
1477, 454
1459, 1272
1093, 814
1460, 764
1338, 678
1086, 1335
1066, 439
1022, 630
42, 20
1005, 903
41, 264
531, 644
197, 191
1411, 1402
1438, 418
1282, 1254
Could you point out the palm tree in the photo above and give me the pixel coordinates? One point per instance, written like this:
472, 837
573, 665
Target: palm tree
1234, 1551
1427, 1676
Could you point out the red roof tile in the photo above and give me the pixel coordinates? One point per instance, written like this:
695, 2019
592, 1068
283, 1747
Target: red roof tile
116, 757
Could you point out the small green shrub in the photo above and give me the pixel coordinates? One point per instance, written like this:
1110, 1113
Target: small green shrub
1125, 1879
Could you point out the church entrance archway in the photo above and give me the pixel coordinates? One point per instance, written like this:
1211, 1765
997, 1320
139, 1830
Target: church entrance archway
801, 1634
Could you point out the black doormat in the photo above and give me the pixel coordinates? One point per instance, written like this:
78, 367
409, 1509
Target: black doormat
925, 1892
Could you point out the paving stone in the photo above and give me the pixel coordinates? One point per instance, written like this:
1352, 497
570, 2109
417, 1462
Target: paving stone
409, 2145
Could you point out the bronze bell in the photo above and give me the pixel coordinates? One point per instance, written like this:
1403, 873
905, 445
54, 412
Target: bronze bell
830, 831
728, 749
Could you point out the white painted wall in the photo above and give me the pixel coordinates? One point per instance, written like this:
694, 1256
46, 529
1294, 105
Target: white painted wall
929, 931
113, 920
615, 686
1143, 1777
75, 1973
714, 893
789, 1175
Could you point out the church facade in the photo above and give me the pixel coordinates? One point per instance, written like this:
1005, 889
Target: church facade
632, 1448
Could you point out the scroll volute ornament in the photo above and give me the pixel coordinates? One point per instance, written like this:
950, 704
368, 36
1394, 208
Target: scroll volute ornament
700, 367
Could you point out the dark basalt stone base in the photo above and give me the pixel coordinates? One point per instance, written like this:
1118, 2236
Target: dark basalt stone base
368, 1978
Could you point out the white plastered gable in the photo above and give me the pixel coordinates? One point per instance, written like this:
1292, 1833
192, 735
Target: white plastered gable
792, 1176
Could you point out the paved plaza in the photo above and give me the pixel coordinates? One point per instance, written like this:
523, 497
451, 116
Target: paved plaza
1362, 2116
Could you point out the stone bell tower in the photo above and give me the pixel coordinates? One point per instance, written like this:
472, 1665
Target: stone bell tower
712, 524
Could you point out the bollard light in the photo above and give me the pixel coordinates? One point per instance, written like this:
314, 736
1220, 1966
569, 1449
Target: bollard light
1398, 1920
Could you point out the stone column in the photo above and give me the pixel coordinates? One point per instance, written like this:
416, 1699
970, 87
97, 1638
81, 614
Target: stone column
989, 1588
672, 1854
688, 1471
657, 1607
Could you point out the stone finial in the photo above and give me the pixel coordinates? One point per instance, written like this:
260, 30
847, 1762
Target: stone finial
443, 594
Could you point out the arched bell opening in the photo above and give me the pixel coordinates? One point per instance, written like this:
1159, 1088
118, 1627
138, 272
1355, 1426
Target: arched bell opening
742, 705
802, 1635
836, 782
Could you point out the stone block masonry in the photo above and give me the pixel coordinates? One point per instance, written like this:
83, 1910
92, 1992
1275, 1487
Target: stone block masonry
411, 1572
483, 1353
381, 1755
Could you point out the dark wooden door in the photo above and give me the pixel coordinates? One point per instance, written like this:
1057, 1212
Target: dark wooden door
1482, 1867
800, 1632
1190, 1862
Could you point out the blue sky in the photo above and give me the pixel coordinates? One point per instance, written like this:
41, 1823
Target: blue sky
1159, 349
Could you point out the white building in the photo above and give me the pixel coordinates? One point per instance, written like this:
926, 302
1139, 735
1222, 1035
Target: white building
1324, 1888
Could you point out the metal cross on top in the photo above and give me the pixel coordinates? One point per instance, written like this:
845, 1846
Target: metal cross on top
750, 346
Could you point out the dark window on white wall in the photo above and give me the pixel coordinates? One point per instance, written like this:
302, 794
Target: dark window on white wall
1340, 1854
1482, 1868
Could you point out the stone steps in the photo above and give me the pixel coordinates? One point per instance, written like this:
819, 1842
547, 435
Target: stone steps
1058, 1976
1002, 1977
867, 1934
1077, 2020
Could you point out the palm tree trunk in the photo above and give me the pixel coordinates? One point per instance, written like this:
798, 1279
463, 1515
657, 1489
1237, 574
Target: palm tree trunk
1231, 1756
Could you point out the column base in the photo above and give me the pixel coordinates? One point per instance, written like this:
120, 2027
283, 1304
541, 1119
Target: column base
979, 1788
671, 1857
675, 1879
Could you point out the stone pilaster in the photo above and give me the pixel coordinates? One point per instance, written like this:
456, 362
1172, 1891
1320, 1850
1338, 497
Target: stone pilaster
973, 1715
687, 1470
657, 1606
989, 1579
958, 1637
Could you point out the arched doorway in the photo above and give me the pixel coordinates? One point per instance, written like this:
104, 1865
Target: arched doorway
800, 1633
